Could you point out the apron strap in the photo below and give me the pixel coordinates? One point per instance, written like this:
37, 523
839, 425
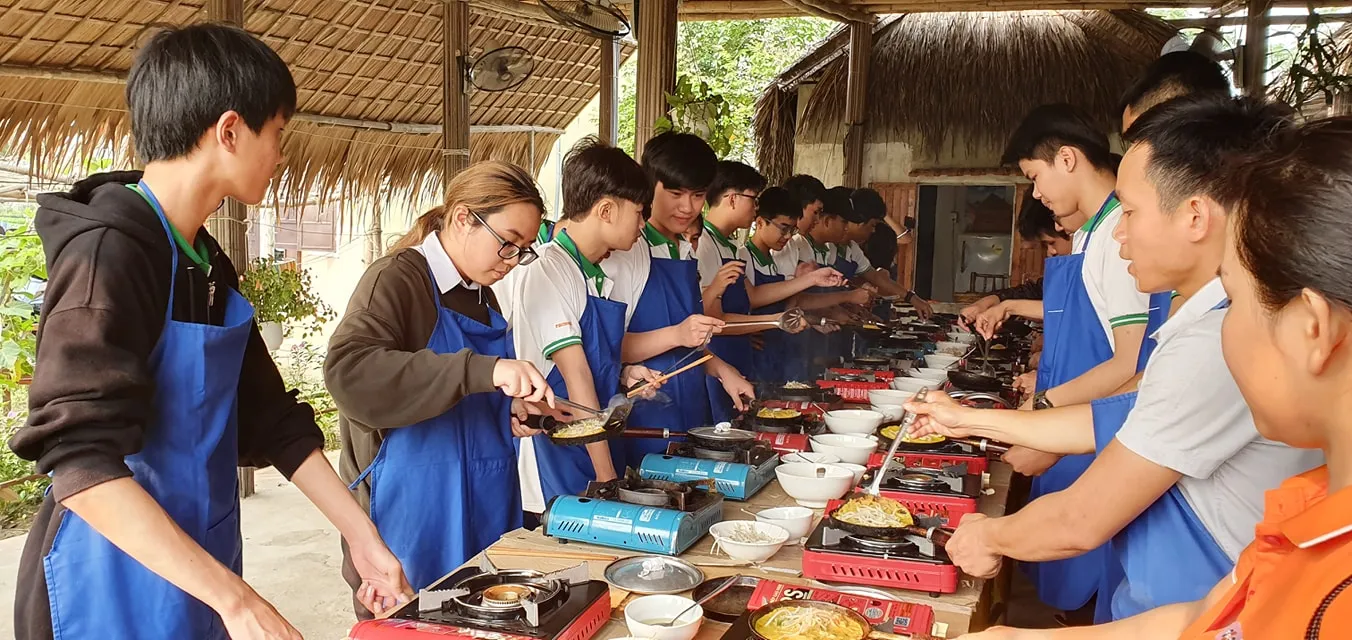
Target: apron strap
144, 191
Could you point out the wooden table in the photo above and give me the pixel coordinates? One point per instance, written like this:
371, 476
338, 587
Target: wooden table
956, 613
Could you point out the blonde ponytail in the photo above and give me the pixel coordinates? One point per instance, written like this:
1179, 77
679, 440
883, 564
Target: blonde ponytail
484, 188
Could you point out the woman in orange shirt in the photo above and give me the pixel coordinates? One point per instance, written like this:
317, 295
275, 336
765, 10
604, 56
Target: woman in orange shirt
1288, 341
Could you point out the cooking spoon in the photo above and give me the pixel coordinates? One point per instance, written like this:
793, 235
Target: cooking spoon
906, 421
709, 596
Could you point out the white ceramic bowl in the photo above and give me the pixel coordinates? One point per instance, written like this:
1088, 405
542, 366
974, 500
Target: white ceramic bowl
910, 385
853, 421
856, 469
749, 551
891, 412
796, 520
951, 348
962, 336
810, 457
941, 361
661, 608
889, 397
803, 483
930, 375
854, 449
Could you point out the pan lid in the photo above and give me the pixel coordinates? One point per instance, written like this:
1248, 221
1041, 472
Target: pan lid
649, 575
723, 432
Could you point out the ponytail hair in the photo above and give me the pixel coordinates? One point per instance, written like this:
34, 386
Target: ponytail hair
484, 188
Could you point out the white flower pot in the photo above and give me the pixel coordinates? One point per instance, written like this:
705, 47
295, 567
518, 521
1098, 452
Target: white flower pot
272, 334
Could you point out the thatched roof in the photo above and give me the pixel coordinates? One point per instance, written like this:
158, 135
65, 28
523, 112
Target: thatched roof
940, 79
373, 61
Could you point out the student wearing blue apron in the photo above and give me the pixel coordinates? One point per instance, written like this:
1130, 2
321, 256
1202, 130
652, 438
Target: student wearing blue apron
666, 330
153, 384
566, 321
1198, 466
422, 369
826, 242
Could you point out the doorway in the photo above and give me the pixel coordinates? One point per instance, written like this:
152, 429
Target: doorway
965, 236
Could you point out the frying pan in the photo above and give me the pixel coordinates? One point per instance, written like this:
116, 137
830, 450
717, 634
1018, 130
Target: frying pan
703, 437
905, 446
924, 527
972, 381
868, 630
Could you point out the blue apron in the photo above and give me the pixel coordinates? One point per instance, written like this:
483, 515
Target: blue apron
783, 356
187, 464
1159, 312
444, 489
567, 470
669, 297
1073, 343
735, 350
1140, 577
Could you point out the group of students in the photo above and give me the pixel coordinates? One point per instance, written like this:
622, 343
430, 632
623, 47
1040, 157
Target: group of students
1190, 451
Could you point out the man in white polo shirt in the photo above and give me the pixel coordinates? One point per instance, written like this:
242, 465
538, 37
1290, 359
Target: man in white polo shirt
1179, 488
808, 192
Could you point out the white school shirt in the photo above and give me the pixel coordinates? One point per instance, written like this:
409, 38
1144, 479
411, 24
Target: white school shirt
793, 252
713, 249
756, 269
630, 268
1112, 290
444, 273
854, 253
1190, 417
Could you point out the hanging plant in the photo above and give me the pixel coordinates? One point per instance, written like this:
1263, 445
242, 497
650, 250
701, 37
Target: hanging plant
1319, 66
699, 111
284, 296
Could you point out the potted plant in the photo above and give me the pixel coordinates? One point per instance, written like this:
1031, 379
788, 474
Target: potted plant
281, 294
699, 111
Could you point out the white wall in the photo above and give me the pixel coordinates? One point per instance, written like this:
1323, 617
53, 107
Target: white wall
945, 240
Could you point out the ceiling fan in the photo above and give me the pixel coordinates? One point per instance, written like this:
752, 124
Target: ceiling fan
600, 18
499, 69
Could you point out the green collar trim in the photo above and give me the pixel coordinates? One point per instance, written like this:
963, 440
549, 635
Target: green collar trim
655, 239
1108, 205
198, 254
818, 249
590, 270
713, 232
546, 232
760, 258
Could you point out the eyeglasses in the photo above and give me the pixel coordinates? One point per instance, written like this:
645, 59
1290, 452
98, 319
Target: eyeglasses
507, 250
755, 200
789, 230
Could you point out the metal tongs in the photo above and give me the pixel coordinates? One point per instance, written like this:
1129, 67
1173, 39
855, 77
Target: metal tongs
984, 346
907, 419
788, 321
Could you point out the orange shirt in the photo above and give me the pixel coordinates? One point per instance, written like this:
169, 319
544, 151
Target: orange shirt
1294, 581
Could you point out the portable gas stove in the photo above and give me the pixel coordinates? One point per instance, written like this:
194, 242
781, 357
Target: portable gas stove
634, 513
910, 562
851, 373
737, 473
890, 616
949, 455
944, 493
487, 602
806, 407
789, 436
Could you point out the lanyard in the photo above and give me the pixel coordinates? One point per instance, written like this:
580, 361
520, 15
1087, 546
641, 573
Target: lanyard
196, 255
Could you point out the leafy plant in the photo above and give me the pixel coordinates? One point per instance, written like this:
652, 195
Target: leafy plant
1319, 66
303, 370
701, 112
284, 295
18, 502
23, 267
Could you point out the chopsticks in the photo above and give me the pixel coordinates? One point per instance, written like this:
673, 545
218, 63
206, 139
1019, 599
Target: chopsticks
667, 376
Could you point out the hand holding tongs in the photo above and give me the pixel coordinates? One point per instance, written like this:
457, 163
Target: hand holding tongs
907, 419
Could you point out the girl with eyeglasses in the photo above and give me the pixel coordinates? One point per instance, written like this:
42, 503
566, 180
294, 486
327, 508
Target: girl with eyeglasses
429, 393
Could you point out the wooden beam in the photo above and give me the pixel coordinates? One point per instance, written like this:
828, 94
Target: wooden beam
1255, 47
609, 99
454, 98
527, 12
656, 66
856, 102
830, 10
1234, 21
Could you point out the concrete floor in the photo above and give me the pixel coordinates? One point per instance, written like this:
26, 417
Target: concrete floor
291, 557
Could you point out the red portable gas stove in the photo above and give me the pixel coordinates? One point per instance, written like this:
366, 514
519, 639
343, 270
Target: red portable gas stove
946, 494
910, 562
487, 603
891, 616
945, 455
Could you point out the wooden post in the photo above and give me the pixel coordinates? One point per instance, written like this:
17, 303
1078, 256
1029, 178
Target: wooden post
1026, 262
455, 100
609, 129
656, 66
856, 102
229, 226
375, 242
1255, 47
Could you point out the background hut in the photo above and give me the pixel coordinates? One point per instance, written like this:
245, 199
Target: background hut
945, 91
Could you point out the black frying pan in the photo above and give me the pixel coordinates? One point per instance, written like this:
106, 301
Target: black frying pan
933, 533
866, 629
972, 381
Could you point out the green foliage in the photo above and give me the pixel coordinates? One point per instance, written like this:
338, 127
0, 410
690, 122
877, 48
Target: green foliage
21, 264
736, 59
284, 296
302, 369
18, 502
1318, 65
702, 113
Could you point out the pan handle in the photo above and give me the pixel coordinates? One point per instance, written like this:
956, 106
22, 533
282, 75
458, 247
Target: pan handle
543, 423
883, 635
639, 432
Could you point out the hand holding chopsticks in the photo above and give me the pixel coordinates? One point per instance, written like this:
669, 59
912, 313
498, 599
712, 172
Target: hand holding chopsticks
669, 375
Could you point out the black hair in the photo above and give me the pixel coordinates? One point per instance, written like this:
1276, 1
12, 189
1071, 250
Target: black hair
836, 203
733, 176
594, 170
776, 202
1036, 220
1194, 139
868, 204
680, 161
185, 78
1049, 127
1292, 228
806, 189
1175, 74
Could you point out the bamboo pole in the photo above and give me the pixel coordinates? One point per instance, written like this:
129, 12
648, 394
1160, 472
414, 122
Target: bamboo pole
656, 66
830, 10
609, 129
856, 108
1255, 47
455, 100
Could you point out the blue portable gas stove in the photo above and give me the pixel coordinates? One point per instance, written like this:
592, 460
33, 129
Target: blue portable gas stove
652, 516
738, 471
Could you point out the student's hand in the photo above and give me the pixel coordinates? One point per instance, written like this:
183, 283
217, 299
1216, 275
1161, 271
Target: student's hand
757, 342
636, 374
970, 312
1029, 462
520, 412
738, 388
794, 327
520, 379
859, 296
1006, 633
383, 585
727, 275
992, 319
869, 287
805, 268
939, 414
970, 549
696, 330
825, 277
1026, 383
922, 307
255, 619
826, 328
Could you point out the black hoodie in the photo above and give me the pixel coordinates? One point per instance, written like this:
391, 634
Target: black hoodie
108, 262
